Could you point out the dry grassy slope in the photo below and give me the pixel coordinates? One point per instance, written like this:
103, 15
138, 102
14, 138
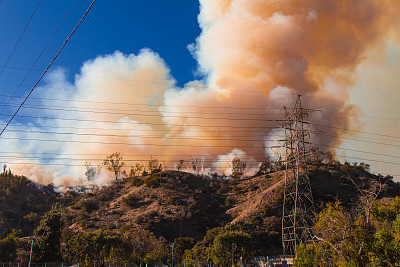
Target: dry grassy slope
177, 204
260, 195
180, 204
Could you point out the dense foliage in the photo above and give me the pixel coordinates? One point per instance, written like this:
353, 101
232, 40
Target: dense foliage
346, 239
47, 238
22, 203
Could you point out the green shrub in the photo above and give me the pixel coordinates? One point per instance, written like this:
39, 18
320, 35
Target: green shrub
152, 181
130, 201
266, 210
89, 205
229, 202
235, 189
137, 182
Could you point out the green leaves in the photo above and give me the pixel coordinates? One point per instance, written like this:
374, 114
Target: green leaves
346, 240
8, 248
238, 241
48, 237
238, 168
114, 163
101, 246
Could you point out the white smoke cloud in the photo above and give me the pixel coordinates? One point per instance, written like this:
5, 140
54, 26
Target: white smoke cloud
256, 56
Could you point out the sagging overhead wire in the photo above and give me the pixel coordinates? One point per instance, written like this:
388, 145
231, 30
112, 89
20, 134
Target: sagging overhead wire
197, 137
47, 68
20, 37
37, 58
153, 124
214, 88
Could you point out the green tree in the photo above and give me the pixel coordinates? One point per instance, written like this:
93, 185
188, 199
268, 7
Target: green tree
114, 163
239, 241
139, 243
47, 237
181, 245
135, 170
357, 240
8, 247
387, 218
161, 252
197, 256
100, 247
316, 254
265, 167
238, 168
154, 166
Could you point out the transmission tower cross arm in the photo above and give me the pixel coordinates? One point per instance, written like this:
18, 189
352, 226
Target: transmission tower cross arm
298, 203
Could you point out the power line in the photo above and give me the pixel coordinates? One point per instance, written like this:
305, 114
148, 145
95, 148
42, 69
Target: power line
359, 140
130, 129
182, 145
372, 160
214, 88
106, 154
163, 105
223, 89
37, 58
120, 112
210, 138
196, 125
153, 124
178, 157
128, 159
357, 131
109, 92
91, 160
359, 151
260, 108
20, 36
197, 138
121, 143
81, 165
155, 105
47, 68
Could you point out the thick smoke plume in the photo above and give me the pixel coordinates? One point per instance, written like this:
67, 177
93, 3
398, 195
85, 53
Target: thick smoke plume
256, 56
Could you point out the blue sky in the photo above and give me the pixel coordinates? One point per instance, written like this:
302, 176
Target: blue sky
166, 27
255, 62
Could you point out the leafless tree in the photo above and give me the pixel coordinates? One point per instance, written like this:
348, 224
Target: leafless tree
179, 165
368, 196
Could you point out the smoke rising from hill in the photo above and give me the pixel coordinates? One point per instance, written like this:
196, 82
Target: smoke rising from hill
256, 56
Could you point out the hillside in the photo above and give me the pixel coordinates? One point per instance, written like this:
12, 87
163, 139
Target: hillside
175, 204
22, 203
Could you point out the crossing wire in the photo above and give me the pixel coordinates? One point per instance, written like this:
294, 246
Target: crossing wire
37, 58
203, 118
223, 89
47, 68
210, 138
20, 36
214, 88
156, 124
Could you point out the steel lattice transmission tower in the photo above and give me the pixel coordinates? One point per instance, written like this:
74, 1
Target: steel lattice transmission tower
298, 203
